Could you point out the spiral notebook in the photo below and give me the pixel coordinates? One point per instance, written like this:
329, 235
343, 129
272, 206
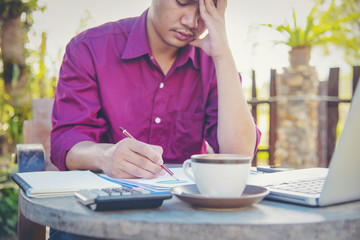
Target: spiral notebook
59, 183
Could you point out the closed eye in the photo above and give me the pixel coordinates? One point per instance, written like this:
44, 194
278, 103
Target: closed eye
182, 3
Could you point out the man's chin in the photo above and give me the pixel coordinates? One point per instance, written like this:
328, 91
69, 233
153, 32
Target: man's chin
179, 44
183, 43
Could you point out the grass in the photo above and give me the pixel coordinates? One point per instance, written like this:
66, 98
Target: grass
9, 201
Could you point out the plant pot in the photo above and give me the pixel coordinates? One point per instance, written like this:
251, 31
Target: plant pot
300, 56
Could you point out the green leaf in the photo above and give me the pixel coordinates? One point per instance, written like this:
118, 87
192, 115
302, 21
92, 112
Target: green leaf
321, 28
9, 203
294, 17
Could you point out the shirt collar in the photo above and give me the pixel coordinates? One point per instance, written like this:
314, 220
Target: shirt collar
138, 44
186, 53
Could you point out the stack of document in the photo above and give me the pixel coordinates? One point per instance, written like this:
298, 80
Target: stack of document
56, 183
160, 184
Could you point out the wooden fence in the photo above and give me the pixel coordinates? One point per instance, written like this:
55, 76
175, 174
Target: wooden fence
328, 113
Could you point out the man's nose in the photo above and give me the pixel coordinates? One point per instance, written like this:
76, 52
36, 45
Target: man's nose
191, 18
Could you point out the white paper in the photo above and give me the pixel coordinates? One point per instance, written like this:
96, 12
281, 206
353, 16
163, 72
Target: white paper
62, 183
162, 183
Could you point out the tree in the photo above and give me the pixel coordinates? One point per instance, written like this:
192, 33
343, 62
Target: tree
351, 47
15, 19
15, 22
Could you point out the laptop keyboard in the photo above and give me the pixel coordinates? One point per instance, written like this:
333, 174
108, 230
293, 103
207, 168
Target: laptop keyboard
311, 186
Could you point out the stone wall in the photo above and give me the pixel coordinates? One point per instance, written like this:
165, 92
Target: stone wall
297, 117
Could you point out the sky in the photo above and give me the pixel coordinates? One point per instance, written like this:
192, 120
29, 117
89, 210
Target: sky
61, 21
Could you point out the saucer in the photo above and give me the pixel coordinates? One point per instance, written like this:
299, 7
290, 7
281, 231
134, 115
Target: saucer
190, 194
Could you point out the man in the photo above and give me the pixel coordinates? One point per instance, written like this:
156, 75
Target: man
155, 77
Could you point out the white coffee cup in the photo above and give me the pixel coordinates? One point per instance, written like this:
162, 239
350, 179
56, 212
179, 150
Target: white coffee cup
218, 175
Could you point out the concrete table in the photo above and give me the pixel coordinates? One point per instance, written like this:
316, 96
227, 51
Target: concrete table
178, 220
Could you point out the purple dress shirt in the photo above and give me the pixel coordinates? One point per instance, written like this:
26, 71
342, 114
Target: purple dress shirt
109, 79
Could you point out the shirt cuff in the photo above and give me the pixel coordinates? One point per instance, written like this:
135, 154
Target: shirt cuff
62, 145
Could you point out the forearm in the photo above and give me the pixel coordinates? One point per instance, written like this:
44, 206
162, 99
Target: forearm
88, 155
236, 128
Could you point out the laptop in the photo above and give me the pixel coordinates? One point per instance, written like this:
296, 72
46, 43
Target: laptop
337, 184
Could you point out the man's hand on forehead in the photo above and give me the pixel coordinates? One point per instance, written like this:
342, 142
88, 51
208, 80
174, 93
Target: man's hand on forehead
215, 43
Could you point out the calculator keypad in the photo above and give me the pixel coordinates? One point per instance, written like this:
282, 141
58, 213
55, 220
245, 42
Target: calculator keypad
122, 197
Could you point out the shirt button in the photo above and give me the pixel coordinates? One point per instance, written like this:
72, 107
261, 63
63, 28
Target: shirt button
161, 85
158, 120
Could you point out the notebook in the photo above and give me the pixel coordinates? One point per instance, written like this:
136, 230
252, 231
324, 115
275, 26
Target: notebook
56, 183
338, 184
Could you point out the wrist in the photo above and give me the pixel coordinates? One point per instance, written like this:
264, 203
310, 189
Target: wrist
106, 152
224, 55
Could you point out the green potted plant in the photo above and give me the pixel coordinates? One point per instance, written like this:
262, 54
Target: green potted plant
322, 28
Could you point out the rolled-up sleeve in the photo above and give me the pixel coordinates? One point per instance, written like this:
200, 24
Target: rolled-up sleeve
76, 113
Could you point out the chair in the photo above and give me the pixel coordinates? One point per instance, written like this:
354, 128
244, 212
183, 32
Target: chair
34, 155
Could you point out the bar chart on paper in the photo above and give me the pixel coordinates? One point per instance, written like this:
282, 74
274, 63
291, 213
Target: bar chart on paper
176, 182
160, 184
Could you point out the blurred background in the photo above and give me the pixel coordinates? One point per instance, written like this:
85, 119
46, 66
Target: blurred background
34, 34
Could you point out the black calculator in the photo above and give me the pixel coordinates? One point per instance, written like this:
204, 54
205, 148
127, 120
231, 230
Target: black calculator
121, 198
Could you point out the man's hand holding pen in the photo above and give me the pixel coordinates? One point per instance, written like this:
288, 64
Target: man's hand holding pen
155, 148
130, 158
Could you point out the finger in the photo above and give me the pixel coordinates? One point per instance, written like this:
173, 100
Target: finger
125, 163
217, 9
147, 151
138, 167
210, 7
141, 155
160, 151
122, 167
203, 11
157, 149
144, 163
221, 7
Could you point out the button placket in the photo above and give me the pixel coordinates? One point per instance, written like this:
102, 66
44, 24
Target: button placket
157, 120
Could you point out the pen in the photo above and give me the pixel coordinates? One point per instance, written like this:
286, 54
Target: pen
163, 166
